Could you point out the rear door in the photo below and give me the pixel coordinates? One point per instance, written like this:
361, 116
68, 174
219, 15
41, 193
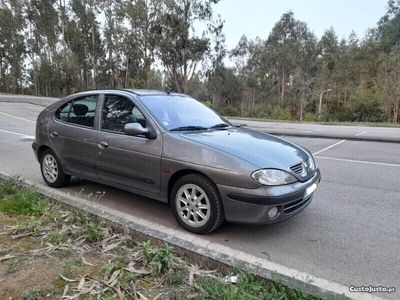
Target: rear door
74, 136
129, 161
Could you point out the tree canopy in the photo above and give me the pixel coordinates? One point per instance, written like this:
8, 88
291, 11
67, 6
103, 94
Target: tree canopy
57, 47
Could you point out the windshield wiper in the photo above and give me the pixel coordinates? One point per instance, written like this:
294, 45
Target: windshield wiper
184, 128
221, 125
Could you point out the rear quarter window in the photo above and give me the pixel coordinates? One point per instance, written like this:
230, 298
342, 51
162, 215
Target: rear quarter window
79, 111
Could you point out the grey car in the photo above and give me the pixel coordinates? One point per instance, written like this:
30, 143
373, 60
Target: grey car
172, 148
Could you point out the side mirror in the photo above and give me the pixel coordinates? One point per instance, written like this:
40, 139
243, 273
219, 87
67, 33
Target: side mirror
135, 129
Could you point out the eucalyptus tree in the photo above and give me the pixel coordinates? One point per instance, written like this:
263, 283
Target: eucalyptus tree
12, 45
83, 40
42, 38
179, 47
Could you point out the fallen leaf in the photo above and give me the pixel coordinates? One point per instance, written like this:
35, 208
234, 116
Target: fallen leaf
121, 295
140, 272
6, 257
66, 288
81, 283
158, 296
111, 247
85, 262
67, 279
141, 296
113, 276
21, 235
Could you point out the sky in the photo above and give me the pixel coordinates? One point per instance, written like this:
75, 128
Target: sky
257, 17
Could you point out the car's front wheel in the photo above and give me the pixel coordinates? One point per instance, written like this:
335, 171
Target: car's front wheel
52, 170
196, 204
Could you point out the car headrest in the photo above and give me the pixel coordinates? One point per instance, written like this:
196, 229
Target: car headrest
80, 110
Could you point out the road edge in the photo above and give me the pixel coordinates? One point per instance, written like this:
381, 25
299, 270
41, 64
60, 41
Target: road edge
193, 244
45, 101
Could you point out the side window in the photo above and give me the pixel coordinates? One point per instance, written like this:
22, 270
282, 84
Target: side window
79, 111
63, 112
118, 111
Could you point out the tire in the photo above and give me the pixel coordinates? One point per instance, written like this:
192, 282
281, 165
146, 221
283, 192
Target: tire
52, 171
201, 214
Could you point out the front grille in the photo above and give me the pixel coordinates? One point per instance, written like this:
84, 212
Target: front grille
308, 163
299, 168
291, 207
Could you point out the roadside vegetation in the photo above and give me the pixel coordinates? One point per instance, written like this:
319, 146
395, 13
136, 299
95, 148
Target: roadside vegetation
55, 48
48, 251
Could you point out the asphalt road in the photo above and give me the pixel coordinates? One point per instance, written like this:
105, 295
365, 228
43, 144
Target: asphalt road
350, 233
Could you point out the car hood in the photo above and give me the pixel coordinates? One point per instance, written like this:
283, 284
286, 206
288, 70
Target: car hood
260, 149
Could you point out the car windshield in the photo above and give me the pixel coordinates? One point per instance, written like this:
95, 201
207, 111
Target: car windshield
176, 113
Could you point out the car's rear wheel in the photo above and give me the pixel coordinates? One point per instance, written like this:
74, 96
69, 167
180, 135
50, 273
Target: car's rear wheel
196, 204
52, 171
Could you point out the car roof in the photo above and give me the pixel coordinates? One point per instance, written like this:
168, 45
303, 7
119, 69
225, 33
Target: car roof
138, 92
146, 92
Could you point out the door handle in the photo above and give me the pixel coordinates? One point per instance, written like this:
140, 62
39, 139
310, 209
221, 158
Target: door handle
103, 144
54, 134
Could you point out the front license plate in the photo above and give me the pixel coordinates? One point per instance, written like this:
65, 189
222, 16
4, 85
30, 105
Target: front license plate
310, 190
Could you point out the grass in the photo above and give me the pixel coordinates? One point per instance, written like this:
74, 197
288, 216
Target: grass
20, 201
66, 252
32, 294
93, 233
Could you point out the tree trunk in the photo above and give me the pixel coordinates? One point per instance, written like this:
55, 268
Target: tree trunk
283, 87
93, 59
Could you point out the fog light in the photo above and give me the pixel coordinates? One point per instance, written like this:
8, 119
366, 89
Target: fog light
273, 212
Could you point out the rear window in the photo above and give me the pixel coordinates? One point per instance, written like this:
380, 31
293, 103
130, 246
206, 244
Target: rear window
79, 111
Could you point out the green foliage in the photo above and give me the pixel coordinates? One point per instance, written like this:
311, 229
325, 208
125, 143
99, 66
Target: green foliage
30, 225
163, 259
364, 107
110, 267
58, 238
93, 233
8, 187
70, 267
278, 113
208, 103
17, 201
32, 294
248, 287
146, 252
56, 48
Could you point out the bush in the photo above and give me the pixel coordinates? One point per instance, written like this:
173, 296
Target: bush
208, 103
230, 111
364, 107
278, 113
309, 117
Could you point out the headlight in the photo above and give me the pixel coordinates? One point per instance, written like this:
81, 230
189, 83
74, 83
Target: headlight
273, 177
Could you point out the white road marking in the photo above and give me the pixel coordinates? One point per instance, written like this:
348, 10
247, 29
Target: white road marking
359, 161
30, 137
329, 147
16, 117
361, 133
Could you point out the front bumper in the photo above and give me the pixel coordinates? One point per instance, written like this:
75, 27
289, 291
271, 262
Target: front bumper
252, 205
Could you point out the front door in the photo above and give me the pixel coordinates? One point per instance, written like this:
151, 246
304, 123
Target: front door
129, 161
74, 136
